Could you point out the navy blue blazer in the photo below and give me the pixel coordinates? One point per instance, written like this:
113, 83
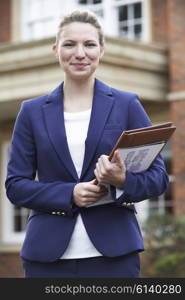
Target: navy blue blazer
39, 147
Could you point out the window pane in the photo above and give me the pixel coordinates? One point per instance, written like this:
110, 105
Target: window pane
82, 1
20, 218
97, 1
137, 30
123, 13
137, 10
125, 29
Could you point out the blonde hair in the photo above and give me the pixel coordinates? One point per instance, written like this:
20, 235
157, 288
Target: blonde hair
83, 17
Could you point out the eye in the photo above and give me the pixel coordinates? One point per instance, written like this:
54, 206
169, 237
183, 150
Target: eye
90, 45
67, 45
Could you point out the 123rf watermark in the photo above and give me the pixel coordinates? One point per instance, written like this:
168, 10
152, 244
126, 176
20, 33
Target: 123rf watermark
136, 289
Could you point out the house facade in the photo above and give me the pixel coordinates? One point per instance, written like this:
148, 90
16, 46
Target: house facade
145, 48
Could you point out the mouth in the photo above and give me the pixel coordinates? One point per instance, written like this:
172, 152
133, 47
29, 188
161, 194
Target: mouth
79, 64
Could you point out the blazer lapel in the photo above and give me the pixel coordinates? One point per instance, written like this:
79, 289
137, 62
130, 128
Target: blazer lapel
54, 118
101, 108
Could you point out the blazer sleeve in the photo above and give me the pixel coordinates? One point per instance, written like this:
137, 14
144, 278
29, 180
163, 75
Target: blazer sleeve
21, 187
152, 182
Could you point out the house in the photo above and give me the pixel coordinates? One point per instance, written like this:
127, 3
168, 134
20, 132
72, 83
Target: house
145, 48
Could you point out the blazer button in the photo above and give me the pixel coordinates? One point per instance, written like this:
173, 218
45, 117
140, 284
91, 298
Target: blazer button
61, 213
124, 203
53, 213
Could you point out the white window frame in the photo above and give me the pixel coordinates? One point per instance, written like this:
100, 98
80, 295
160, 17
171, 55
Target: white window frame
96, 8
146, 16
109, 20
26, 33
131, 22
9, 236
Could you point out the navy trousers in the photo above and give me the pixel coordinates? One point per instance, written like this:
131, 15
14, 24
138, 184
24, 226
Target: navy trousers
126, 266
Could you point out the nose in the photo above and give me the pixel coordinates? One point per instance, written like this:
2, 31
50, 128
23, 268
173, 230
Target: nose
80, 53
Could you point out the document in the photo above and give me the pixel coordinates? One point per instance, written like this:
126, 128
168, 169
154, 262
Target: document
139, 158
144, 136
139, 148
136, 159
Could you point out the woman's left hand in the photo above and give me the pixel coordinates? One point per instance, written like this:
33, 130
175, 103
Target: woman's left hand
112, 172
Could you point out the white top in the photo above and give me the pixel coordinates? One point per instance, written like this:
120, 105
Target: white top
76, 125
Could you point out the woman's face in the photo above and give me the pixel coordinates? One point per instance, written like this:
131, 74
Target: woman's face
79, 50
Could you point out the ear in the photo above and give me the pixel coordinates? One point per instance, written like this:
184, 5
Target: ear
54, 49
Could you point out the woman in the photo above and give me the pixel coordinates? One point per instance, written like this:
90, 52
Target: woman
65, 137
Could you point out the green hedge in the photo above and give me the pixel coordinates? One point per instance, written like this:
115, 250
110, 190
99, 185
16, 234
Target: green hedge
164, 237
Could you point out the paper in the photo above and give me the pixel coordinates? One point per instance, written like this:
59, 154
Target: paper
139, 158
136, 159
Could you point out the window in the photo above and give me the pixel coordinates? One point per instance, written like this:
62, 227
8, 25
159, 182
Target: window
126, 18
130, 19
93, 5
39, 18
20, 215
14, 218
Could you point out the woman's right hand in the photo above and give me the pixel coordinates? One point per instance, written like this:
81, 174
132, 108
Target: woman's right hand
86, 193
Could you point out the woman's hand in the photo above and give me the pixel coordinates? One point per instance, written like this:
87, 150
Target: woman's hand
86, 193
112, 172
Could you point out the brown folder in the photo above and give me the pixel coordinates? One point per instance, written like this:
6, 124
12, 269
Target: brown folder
144, 136
156, 134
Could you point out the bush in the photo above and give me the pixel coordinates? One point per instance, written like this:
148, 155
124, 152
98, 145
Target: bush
164, 237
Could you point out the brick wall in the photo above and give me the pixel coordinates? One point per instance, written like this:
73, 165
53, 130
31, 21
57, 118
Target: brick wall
176, 28
178, 156
5, 20
10, 265
159, 21
176, 43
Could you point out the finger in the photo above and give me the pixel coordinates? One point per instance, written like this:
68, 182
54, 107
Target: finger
104, 168
99, 178
117, 158
106, 164
94, 189
100, 166
99, 192
89, 201
95, 196
96, 173
94, 181
122, 163
92, 200
104, 188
